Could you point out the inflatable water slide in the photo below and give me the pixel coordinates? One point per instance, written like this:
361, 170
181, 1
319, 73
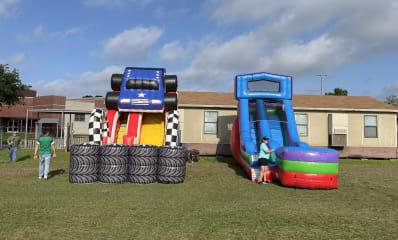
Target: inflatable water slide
265, 110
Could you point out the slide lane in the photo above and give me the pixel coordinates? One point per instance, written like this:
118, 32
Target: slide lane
153, 129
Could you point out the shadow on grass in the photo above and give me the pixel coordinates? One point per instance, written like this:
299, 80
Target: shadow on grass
23, 158
233, 165
56, 172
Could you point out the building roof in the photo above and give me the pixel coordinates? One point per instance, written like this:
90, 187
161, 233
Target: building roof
99, 102
315, 102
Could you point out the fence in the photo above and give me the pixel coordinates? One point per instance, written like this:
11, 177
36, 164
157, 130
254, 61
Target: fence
59, 142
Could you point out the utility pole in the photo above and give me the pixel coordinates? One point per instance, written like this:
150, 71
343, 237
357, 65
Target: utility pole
321, 76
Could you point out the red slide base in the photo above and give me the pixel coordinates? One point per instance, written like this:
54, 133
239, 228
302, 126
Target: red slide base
272, 175
307, 180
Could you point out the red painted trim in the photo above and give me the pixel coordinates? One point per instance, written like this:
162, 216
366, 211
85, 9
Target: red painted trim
307, 180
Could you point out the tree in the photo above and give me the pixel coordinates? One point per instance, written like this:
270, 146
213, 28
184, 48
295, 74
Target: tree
10, 86
392, 99
338, 92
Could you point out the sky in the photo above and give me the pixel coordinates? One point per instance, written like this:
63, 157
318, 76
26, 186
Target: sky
72, 47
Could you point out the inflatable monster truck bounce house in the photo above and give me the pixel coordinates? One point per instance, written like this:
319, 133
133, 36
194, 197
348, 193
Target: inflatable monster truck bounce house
136, 138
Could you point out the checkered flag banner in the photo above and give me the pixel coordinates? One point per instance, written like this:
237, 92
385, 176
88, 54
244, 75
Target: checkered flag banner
97, 126
172, 128
104, 130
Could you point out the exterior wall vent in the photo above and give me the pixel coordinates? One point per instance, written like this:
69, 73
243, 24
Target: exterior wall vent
338, 129
339, 140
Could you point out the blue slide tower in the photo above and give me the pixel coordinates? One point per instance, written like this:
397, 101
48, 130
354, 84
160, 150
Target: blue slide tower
265, 110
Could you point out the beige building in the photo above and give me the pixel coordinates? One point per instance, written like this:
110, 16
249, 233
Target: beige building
358, 126
79, 120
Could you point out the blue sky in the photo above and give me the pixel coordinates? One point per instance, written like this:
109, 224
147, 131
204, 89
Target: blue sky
72, 47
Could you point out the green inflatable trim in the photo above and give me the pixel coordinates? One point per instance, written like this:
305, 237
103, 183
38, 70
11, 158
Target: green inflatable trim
308, 167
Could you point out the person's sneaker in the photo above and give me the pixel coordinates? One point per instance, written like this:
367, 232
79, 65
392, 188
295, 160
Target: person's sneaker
45, 177
40, 177
264, 183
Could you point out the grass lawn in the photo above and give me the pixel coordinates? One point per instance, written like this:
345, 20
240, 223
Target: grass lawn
216, 202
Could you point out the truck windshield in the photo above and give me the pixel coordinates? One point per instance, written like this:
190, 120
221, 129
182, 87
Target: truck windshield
142, 84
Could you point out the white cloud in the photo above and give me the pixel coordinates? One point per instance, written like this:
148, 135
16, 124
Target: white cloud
319, 54
132, 44
294, 38
390, 89
39, 32
8, 7
112, 3
87, 83
173, 51
14, 59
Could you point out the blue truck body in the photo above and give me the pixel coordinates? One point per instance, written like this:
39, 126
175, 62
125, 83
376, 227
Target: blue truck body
142, 89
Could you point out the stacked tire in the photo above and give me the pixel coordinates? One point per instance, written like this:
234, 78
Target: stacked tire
172, 165
143, 164
113, 163
84, 163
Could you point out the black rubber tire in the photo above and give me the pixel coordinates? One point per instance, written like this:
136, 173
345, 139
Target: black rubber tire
171, 171
143, 161
116, 81
170, 83
111, 100
170, 180
113, 170
173, 152
143, 151
83, 169
170, 102
114, 160
114, 150
142, 170
112, 178
172, 162
83, 160
142, 179
84, 149
82, 178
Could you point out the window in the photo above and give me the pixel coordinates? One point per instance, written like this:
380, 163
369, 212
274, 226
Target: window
370, 129
263, 86
142, 84
13, 125
80, 117
210, 122
302, 124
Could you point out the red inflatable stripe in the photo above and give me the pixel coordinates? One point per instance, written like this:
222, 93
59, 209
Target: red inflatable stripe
132, 128
307, 180
235, 147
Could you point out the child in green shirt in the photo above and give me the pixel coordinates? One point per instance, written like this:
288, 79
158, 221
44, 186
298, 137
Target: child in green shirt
45, 148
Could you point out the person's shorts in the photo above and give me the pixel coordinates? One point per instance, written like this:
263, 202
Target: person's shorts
262, 162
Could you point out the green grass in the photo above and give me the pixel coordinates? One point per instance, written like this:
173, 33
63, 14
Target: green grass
216, 202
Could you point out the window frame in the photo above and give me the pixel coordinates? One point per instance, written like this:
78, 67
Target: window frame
366, 126
77, 119
204, 123
14, 126
305, 125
